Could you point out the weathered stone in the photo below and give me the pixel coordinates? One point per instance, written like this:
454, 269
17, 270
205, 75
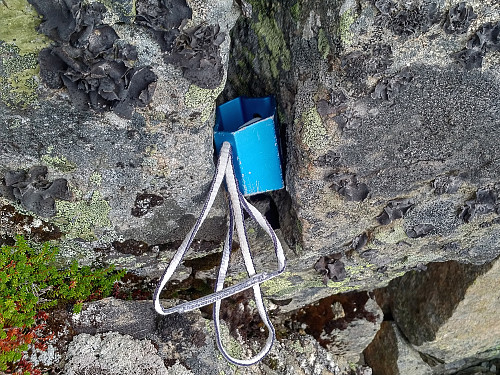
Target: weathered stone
187, 341
113, 354
163, 151
449, 313
390, 354
344, 324
369, 117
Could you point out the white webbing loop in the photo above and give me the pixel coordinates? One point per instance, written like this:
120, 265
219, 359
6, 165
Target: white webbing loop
237, 203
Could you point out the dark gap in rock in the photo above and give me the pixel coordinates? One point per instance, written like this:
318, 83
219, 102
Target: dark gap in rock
326, 315
246, 76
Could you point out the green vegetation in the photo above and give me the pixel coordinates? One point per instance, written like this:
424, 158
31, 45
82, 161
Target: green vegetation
323, 44
295, 11
30, 283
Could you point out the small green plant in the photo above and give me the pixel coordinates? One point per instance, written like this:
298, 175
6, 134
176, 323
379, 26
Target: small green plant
30, 284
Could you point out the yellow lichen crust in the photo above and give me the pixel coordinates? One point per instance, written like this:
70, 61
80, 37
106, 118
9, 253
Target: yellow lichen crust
203, 99
78, 219
18, 23
18, 76
58, 162
19, 47
313, 134
346, 20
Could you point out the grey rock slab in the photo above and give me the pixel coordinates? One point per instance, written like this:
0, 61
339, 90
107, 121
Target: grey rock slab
112, 354
374, 109
449, 313
390, 354
184, 344
164, 149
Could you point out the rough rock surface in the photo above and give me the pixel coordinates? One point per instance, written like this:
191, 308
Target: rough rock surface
112, 353
388, 116
448, 314
164, 151
389, 353
388, 137
188, 342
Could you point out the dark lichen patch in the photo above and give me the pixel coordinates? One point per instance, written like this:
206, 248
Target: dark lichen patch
331, 267
197, 246
197, 51
486, 201
486, 39
333, 313
144, 203
132, 286
330, 159
163, 18
420, 230
205, 263
389, 88
242, 317
131, 246
405, 20
359, 241
13, 223
90, 60
33, 190
359, 65
395, 209
459, 18
349, 187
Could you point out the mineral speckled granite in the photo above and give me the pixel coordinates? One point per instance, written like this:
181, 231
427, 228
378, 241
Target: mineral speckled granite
389, 128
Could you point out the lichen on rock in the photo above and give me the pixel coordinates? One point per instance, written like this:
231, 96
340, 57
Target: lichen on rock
89, 59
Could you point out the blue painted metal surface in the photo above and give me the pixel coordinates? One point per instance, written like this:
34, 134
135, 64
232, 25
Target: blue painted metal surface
248, 124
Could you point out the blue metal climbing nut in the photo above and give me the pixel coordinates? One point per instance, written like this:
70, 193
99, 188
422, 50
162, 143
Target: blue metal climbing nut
248, 124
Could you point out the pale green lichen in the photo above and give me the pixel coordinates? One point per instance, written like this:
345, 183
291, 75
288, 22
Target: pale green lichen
295, 11
203, 99
18, 76
346, 20
391, 234
273, 48
313, 134
95, 179
18, 23
57, 162
19, 47
79, 219
323, 44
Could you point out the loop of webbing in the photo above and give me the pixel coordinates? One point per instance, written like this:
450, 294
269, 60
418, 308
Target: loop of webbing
237, 204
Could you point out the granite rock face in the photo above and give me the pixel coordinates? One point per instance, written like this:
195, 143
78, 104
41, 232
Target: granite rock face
447, 314
389, 132
390, 137
185, 343
109, 116
390, 353
112, 353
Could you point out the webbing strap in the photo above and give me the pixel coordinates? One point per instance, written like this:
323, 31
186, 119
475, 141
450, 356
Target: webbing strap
237, 205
